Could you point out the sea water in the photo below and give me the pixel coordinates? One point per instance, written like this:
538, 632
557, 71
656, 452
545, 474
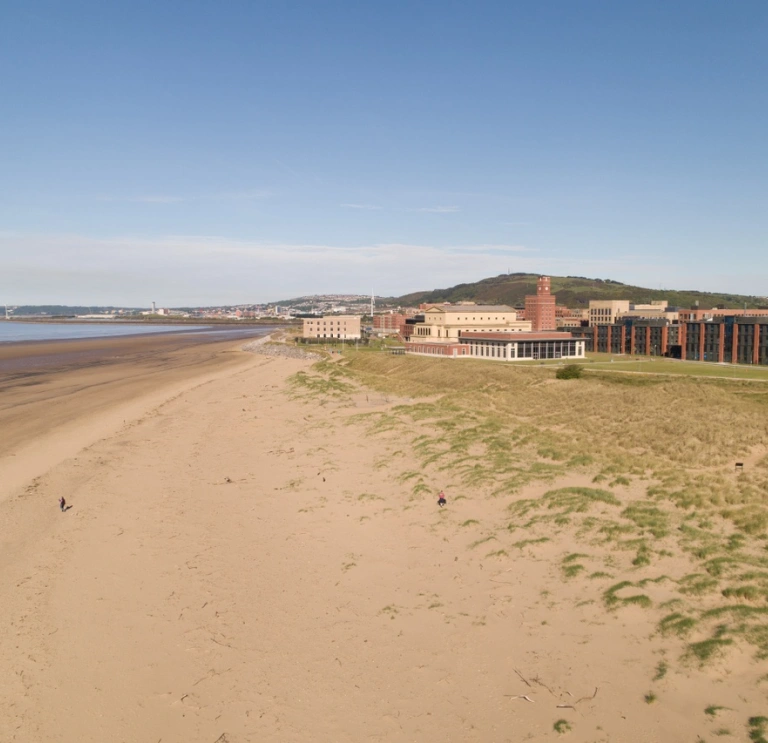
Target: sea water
12, 332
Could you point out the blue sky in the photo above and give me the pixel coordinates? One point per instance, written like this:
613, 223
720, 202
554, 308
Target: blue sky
197, 152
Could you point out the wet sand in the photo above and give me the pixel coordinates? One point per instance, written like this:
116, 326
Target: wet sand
49, 390
44, 384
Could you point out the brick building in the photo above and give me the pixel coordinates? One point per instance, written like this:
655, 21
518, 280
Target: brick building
540, 307
389, 323
450, 349
632, 335
735, 340
731, 340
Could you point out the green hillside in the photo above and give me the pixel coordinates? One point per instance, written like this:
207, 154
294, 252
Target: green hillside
573, 291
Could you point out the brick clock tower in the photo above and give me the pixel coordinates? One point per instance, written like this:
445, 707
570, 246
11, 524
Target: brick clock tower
540, 308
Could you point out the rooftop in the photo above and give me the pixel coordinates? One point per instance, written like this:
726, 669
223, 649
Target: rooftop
473, 308
519, 336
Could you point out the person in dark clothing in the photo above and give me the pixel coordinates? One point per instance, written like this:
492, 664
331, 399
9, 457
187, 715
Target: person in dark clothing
62, 503
441, 501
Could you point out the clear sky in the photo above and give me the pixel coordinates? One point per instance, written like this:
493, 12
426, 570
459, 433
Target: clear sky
194, 152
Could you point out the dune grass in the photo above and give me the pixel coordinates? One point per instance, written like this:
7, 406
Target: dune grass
658, 450
758, 729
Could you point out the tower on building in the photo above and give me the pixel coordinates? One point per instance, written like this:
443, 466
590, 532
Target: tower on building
540, 307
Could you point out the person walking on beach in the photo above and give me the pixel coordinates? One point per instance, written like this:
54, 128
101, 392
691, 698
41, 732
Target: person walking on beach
441, 501
62, 504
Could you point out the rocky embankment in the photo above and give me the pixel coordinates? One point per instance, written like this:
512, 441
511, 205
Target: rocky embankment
265, 347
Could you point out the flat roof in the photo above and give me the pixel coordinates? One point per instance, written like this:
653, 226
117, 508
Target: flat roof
472, 308
519, 336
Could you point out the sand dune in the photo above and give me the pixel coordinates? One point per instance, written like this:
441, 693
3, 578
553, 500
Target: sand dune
242, 565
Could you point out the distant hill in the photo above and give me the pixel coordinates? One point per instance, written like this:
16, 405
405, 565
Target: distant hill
573, 291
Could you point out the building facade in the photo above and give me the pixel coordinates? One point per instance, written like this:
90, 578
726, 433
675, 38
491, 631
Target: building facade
388, 323
632, 335
606, 311
446, 323
338, 327
729, 340
540, 307
523, 346
445, 350
509, 346
696, 314
734, 340
565, 323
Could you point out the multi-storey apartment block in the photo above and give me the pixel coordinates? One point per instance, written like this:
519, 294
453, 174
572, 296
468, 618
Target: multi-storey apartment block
631, 335
737, 340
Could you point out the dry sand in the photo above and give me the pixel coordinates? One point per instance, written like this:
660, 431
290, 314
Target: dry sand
242, 565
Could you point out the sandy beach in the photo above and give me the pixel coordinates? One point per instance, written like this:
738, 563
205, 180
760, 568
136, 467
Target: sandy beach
243, 563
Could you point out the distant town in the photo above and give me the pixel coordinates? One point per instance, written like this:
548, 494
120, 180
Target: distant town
536, 329
326, 303
542, 329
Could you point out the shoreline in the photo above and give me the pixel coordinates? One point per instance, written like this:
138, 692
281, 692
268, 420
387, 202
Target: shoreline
200, 330
60, 396
32, 341
18, 351
171, 321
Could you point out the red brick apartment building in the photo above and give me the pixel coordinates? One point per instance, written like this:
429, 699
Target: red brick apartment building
389, 322
641, 336
540, 307
734, 340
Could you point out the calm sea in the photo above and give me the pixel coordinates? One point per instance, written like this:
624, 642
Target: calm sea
11, 332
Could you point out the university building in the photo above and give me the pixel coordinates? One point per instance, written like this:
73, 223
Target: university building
339, 327
723, 339
631, 335
443, 323
606, 311
523, 346
735, 340
696, 314
540, 307
389, 323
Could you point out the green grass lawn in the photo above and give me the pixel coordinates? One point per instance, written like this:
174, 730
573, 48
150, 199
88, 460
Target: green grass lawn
657, 365
609, 362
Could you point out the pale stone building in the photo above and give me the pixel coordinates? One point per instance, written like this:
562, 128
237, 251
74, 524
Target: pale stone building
338, 327
654, 310
606, 311
445, 323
